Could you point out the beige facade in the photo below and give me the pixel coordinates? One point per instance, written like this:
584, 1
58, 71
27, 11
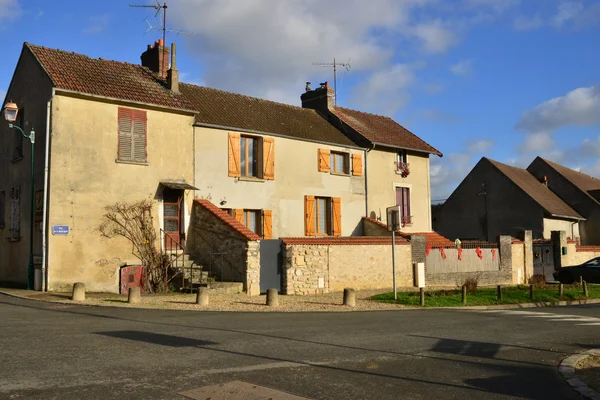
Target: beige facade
85, 177
570, 227
296, 175
383, 180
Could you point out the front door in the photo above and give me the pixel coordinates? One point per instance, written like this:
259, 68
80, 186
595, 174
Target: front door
543, 259
172, 218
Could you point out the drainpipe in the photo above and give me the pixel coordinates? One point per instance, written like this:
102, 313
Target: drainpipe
45, 205
573, 229
367, 181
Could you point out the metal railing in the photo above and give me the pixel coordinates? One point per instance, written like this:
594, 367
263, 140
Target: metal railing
173, 249
226, 266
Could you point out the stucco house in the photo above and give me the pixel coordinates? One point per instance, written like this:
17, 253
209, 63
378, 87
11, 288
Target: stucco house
497, 199
113, 132
578, 190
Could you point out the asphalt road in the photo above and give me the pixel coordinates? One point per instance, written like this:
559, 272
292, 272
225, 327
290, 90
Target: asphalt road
55, 351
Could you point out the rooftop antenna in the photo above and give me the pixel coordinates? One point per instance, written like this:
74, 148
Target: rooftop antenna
163, 28
334, 64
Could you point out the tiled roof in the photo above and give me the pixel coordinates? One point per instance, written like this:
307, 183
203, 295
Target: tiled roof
228, 219
536, 190
431, 238
220, 108
381, 129
585, 183
343, 241
113, 79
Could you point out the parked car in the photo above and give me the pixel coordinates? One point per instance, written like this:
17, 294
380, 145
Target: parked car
589, 271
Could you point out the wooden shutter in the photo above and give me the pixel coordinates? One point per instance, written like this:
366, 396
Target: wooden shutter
267, 224
139, 136
309, 215
238, 214
336, 211
234, 155
324, 160
356, 164
125, 151
268, 158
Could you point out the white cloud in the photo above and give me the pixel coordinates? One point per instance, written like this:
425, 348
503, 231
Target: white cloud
499, 6
2, 95
385, 91
97, 24
462, 68
433, 88
436, 38
9, 9
522, 23
480, 146
580, 107
566, 11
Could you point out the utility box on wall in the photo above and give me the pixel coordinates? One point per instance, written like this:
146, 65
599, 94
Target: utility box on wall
419, 274
131, 276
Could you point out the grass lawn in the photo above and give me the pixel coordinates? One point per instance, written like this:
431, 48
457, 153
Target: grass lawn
488, 296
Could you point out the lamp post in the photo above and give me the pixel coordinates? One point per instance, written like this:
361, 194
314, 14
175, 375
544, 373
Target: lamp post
10, 114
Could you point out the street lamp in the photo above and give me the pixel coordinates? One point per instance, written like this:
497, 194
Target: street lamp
10, 114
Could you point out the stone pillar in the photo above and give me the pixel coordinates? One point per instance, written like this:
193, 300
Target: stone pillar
78, 292
253, 269
505, 247
134, 296
202, 296
350, 297
528, 255
559, 240
272, 298
418, 246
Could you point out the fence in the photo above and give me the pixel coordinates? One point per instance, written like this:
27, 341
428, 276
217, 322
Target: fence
462, 260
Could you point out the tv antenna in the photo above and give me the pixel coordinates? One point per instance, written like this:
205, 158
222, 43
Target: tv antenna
334, 64
163, 28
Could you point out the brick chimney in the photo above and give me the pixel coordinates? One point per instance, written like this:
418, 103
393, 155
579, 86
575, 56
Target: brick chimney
321, 99
156, 58
173, 73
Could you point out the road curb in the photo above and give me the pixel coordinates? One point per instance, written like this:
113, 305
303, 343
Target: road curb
567, 369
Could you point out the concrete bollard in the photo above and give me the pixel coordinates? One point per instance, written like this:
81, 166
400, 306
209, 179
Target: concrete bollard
464, 295
272, 298
135, 295
78, 292
350, 297
202, 296
585, 289
531, 292
422, 297
561, 290
500, 293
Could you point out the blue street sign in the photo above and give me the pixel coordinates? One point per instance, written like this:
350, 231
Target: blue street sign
60, 230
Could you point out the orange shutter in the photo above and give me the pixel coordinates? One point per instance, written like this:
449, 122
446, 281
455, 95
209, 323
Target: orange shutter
337, 216
323, 160
309, 215
238, 214
268, 158
234, 154
356, 165
267, 224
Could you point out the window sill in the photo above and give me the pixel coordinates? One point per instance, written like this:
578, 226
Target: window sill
251, 179
131, 162
339, 174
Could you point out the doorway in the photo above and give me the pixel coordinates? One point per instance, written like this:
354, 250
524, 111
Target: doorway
173, 209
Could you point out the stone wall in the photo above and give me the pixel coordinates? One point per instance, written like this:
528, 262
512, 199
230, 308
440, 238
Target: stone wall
330, 265
216, 245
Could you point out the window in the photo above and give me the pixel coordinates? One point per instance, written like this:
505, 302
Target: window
251, 157
17, 153
322, 216
593, 263
14, 232
403, 200
132, 136
402, 166
339, 163
2, 209
258, 221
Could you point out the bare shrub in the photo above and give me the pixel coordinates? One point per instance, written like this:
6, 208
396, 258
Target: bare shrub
471, 282
134, 222
538, 280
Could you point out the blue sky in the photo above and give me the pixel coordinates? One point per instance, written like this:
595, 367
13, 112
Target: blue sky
505, 79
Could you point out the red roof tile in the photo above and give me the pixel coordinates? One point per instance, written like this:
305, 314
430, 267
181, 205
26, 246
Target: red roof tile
431, 238
229, 220
383, 130
590, 249
343, 241
112, 79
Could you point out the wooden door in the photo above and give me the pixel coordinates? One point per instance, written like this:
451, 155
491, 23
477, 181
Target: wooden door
172, 209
